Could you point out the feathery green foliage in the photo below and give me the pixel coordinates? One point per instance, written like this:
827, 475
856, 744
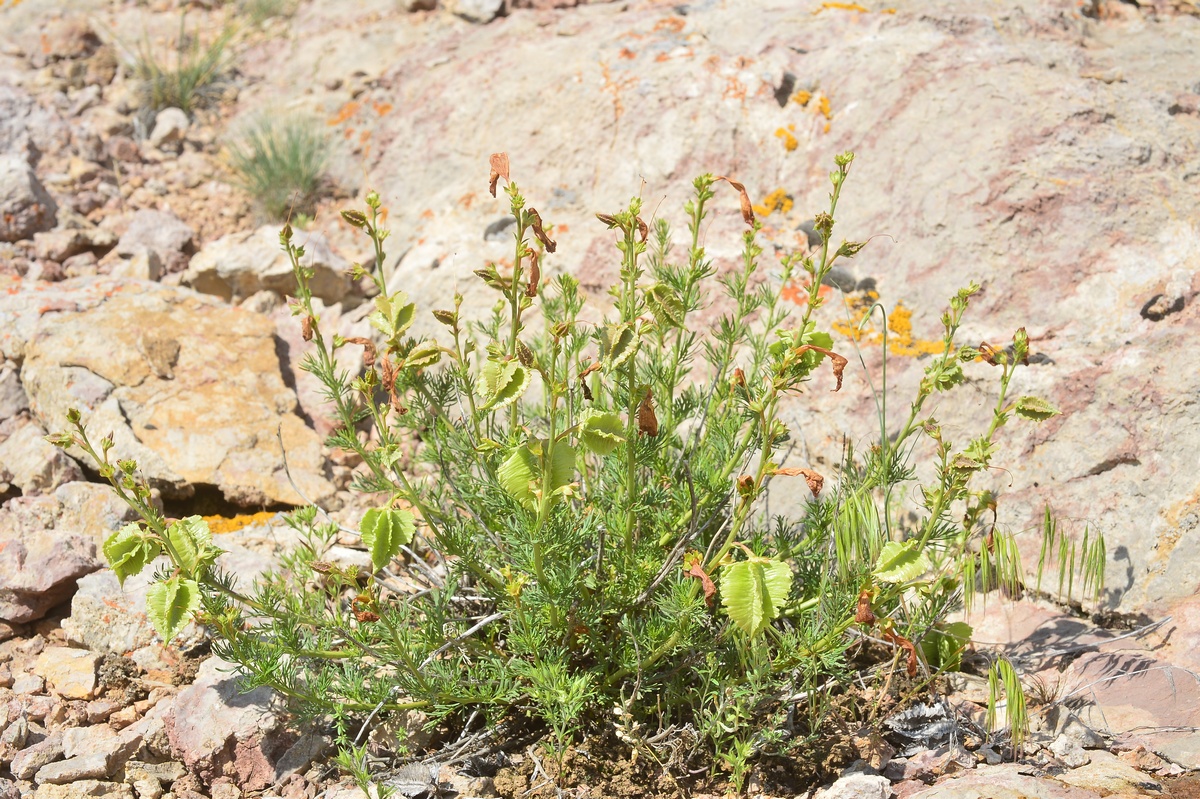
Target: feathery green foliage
592, 486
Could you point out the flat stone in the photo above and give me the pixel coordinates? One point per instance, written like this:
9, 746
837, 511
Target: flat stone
33, 465
26, 207
73, 769
29, 684
84, 789
1108, 774
70, 673
239, 265
31, 759
1069, 751
167, 237
857, 786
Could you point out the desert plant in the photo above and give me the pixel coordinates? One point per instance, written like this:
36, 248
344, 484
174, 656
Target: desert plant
189, 79
281, 164
259, 11
590, 488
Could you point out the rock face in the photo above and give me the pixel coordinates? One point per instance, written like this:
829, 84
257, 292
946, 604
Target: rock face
189, 387
239, 265
48, 542
25, 206
218, 731
28, 462
161, 234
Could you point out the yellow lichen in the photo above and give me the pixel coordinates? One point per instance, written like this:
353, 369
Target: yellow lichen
789, 140
231, 524
823, 107
802, 97
778, 200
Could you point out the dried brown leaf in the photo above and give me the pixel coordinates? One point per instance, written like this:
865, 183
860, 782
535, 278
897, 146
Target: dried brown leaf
747, 206
535, 275
368, 349
306, 328
863, 613
546, 241
647, 421
696, 569
815, 481
643, 229
499, 164
839, 362
906, 645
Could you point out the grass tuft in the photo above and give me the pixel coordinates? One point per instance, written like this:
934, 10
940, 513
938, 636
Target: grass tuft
281, 163
195, 80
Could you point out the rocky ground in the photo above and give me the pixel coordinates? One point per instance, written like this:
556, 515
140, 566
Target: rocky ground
1048, 149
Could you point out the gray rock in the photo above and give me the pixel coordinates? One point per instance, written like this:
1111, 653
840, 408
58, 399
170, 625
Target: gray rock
26, 128
475, 10
73, 769
145, 265
12, 395
240, 265
170, 127
1063, 723
33, 464
161, 233
9, 789
29, 760
25, 206
28, 684
1069, 751
857, 786
14, 738
216, 729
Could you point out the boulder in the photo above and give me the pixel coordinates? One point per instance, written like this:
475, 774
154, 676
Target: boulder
170, 126
239, 265
25, 206
161, 233
218, 731
30, 463
189, 387
27, 129
48, 542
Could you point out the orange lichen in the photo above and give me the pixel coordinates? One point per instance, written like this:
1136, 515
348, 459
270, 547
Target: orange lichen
802, 97
345, 113
626, 53
382, 108
843, 7
778, 200
670, 24
231, 524
789, 140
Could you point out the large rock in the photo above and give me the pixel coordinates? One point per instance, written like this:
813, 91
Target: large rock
27, 129
29, 462
241, 264
48, 542
25, 206
190, 387
161, 233
218, 731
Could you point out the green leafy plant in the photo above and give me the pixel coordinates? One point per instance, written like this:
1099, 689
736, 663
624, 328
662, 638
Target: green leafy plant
281, 163
589, 483
193, 79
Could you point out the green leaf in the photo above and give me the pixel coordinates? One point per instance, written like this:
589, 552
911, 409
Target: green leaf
944, 645
753, 591
522, 472
601, 432
393, 316
946, 376
170, 605
617, 343
517, 475
1035, 409
191, 542
502, 383
900, 562
384, 531
128, 550
665, 304
427, 353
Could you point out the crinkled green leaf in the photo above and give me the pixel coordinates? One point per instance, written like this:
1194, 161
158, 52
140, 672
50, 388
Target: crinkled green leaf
517, 475
393, 315
602, 432
191, 542
665, 304
427, 353
946, 377
521, 473
128, 550
753, 591
944, 644
170, 605
900, 562
617, 343
502, 383
384, 531
1035, 409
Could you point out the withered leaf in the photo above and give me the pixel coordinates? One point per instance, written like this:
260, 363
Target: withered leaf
989, 353
839, 362
499, 164
587, 392
696, 569
593, 367
546, 241
368, 349
647, 421
365, 616
535, 275
739, 378
863, 613
814, 480
607, 219
643, 229
747, 207
389, 374
306, 328
321, 567
906, 645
